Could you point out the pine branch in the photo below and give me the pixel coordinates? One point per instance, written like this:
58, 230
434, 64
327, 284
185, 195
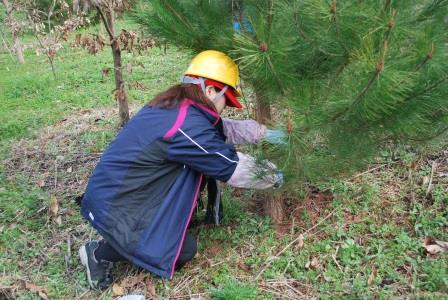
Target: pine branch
176, 14
386, 5
333, 10
379, 68
301, 32
437, 5
270, 17
431, 137
428, 89
279, 82
427, 58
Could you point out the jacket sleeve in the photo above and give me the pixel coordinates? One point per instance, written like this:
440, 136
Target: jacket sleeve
243, 131
203, 150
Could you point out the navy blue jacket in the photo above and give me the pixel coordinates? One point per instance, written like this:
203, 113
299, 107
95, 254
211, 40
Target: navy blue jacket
143, 192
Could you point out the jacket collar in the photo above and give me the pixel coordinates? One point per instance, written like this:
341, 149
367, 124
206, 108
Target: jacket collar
211, 115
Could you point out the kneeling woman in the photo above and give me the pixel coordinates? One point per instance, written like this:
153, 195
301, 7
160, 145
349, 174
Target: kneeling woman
143, 192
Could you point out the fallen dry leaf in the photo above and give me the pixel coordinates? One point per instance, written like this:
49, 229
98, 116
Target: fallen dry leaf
434, 247
150, 288
311, 264
117, 290
372, 277
41, 183
37, 289
129, 68
229, 230
300, 242
54, 207
314, 262
131, 281
69, 169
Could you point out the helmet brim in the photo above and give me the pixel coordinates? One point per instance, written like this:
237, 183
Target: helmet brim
231, 93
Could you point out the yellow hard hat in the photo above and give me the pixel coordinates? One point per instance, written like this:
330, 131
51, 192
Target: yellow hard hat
214, 65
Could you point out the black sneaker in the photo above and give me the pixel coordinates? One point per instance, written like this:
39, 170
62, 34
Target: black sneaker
98, 272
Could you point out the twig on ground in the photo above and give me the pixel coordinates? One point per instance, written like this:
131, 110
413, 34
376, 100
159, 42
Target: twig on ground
335, 260
279, 293
68, 257
181, 284
56, 173
83, 294
268, 261
294, 289
187, 296
433, 168
368, 171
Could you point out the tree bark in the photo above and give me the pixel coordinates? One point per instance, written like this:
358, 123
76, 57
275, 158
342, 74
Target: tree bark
272, 205
18, 49
262, 109
120, 93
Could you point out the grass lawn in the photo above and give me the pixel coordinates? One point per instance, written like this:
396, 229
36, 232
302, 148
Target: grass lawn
358, 237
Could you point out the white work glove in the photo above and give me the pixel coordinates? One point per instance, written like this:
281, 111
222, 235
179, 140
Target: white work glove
253, 175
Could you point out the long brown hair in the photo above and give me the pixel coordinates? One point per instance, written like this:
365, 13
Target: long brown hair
173, 96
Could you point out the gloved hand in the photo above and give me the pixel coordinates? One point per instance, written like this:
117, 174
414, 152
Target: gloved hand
279, 180
276, 136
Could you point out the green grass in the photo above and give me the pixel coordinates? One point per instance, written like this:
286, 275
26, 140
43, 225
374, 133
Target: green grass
378, 220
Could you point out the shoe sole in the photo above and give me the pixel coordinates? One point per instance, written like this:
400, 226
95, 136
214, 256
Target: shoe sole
85, 262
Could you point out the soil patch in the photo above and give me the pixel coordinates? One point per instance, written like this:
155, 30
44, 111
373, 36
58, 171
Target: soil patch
291, 211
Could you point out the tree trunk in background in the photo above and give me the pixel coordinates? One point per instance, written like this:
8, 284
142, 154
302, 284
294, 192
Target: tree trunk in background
120, 93
14, 27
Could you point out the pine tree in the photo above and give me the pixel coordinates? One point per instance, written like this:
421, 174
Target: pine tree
349, 76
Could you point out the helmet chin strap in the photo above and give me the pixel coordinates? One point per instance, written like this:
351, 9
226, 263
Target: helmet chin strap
201, 81
219, 95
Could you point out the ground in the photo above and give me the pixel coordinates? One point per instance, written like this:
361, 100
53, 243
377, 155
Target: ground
358, 236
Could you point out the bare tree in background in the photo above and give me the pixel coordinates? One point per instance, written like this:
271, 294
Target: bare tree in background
15, 31
106, 9
50, 37
80, 7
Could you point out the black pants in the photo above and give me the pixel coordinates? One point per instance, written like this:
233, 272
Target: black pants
189, 249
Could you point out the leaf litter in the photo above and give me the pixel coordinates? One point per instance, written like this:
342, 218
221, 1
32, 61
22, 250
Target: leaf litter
58, 158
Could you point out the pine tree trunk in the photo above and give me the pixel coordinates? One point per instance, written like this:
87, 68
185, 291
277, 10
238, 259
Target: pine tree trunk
262, 109
15, 33
120, 93
272, 206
